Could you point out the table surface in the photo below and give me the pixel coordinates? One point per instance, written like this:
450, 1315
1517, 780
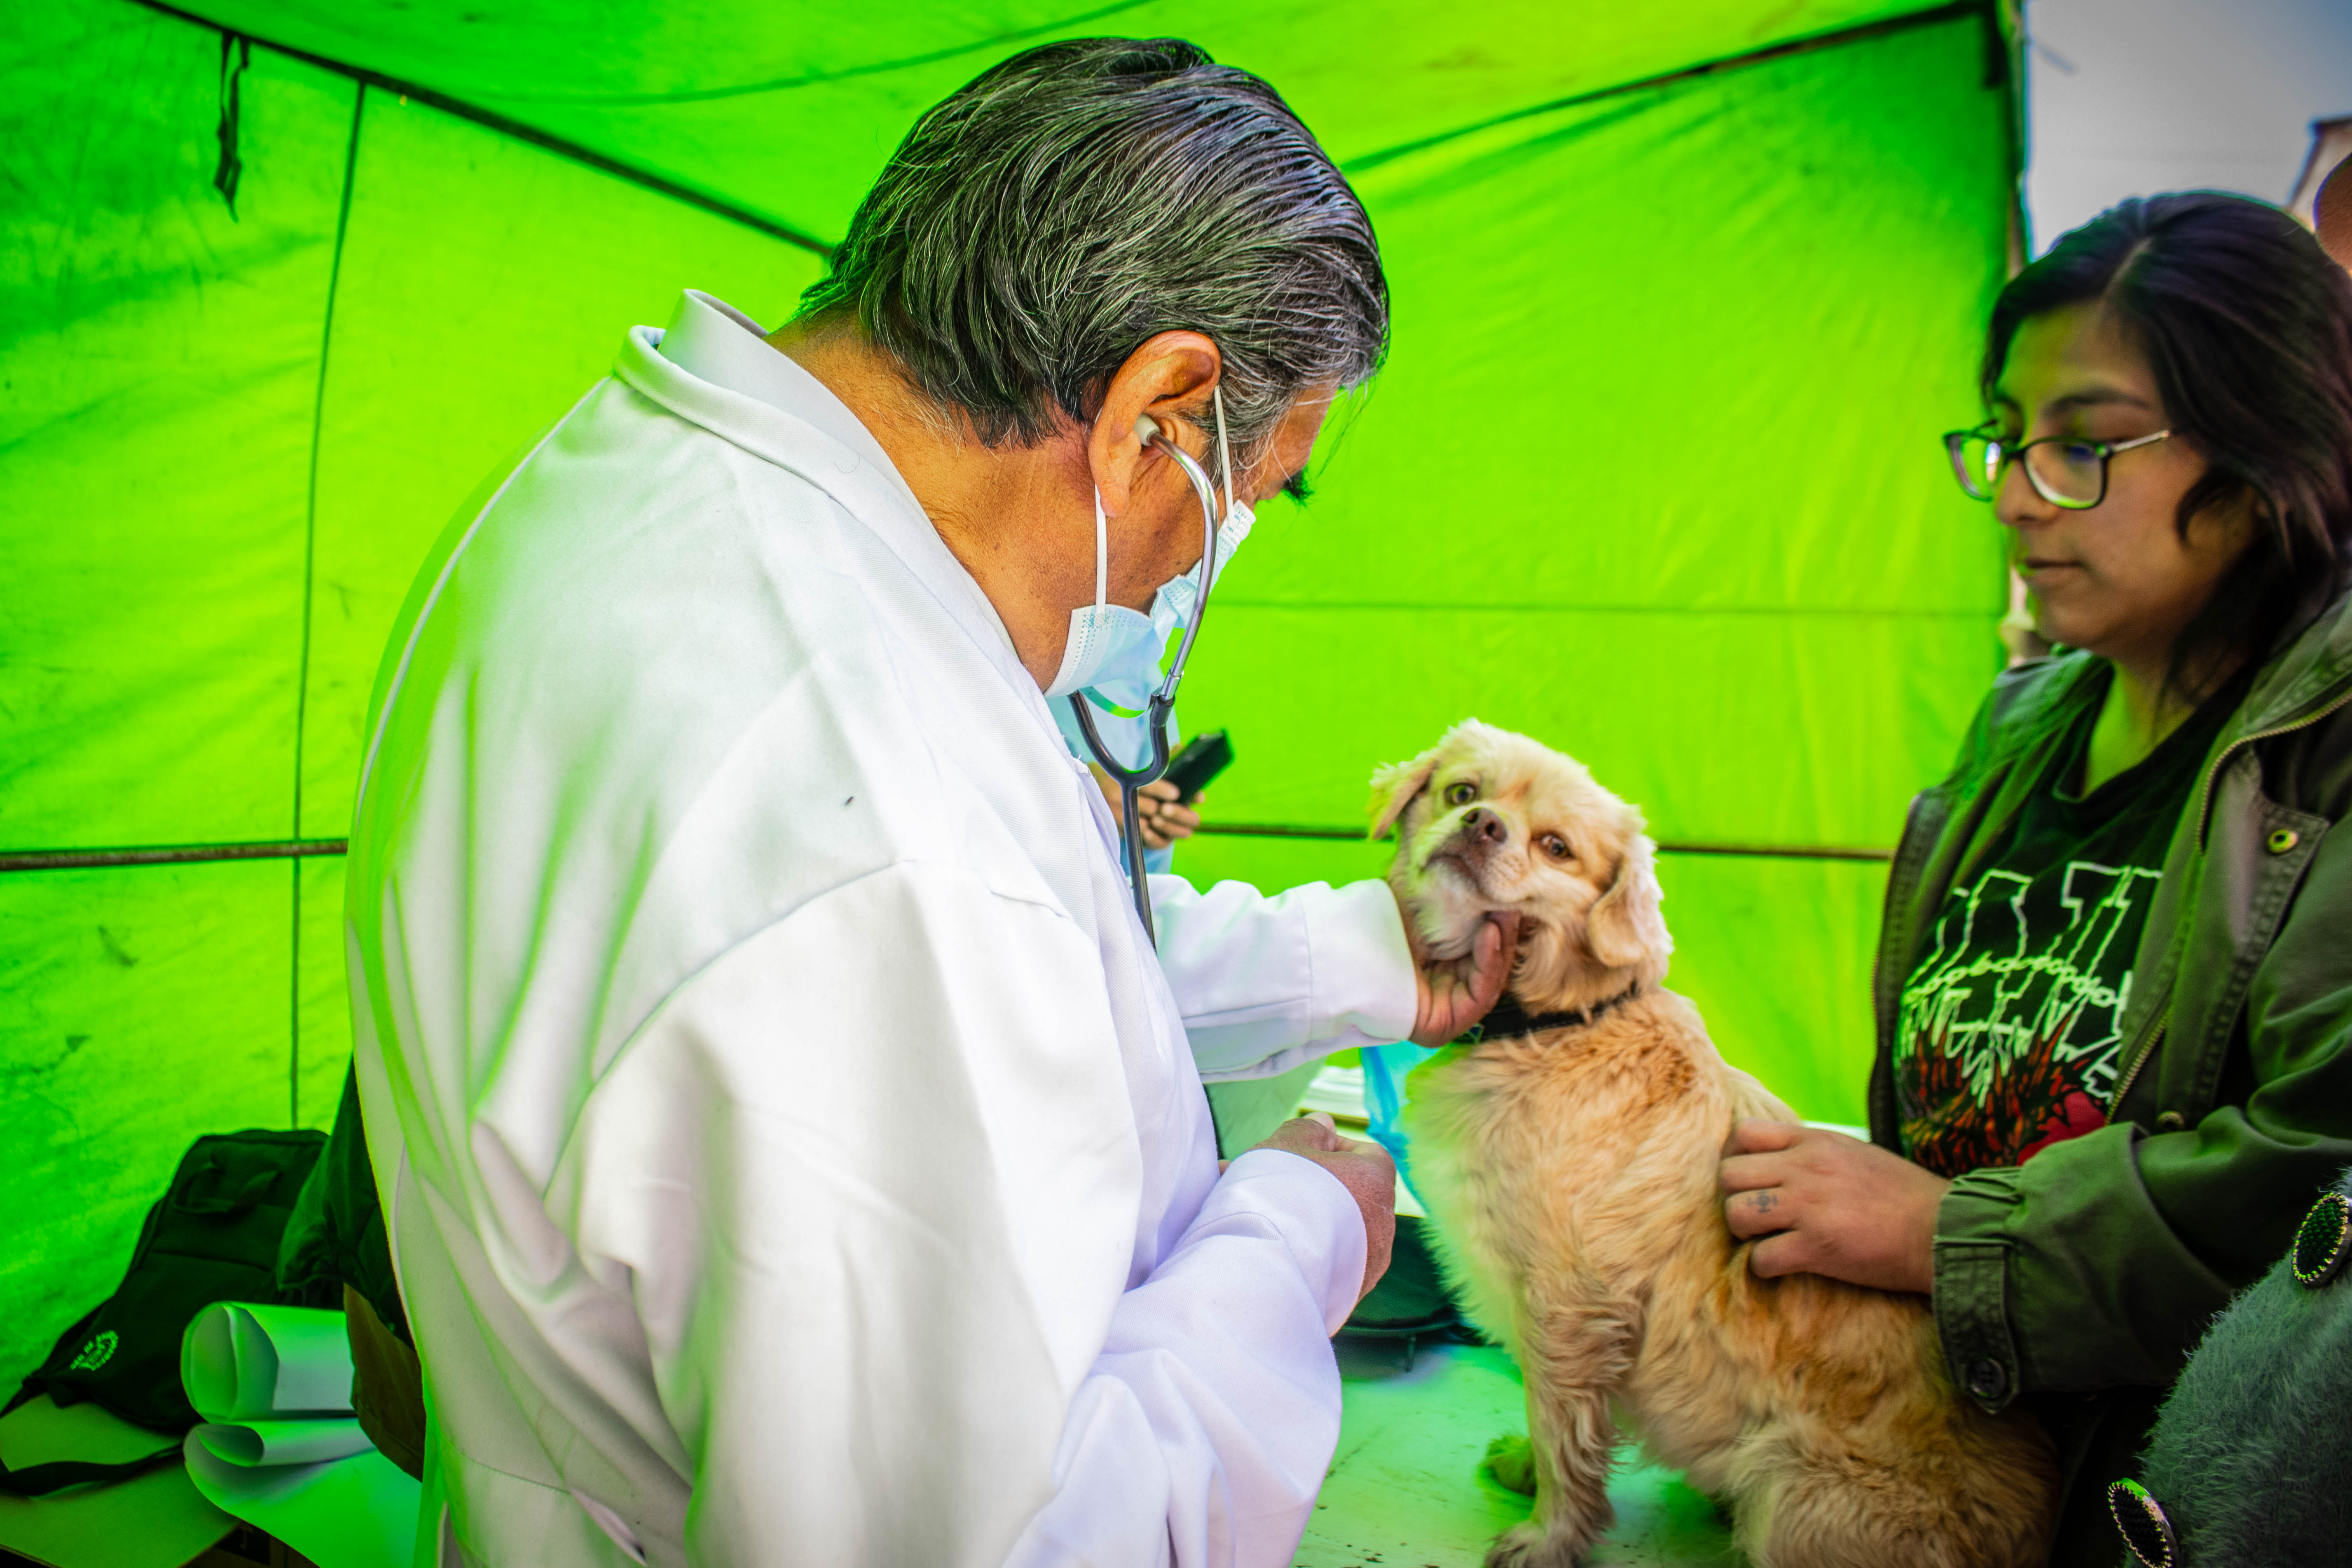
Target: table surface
1405, 1489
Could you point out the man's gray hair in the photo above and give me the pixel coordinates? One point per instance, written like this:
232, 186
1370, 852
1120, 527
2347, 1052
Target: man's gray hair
1036, 226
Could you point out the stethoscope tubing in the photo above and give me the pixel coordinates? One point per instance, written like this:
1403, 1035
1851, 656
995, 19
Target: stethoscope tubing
1163, 700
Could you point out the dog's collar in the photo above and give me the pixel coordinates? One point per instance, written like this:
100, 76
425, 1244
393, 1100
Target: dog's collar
1507, 1020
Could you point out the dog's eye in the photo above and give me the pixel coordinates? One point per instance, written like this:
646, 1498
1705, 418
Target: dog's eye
1461, 793
1555, 845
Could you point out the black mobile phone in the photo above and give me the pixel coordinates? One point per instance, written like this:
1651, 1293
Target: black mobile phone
1203, 758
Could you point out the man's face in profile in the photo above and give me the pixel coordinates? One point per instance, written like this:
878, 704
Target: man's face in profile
1280, 463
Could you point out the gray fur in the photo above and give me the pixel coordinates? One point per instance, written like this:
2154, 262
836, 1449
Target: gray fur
2252, 1458
1035, 227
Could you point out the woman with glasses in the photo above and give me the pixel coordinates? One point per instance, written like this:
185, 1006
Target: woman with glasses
2114, 984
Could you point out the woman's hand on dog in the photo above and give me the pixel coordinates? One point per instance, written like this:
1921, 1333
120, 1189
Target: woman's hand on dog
1827, 1204
1455, 993
1363, 1168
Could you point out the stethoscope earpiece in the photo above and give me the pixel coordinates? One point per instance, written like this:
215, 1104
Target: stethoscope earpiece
1147, 429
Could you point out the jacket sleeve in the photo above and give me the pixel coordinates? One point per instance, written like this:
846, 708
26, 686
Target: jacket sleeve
2103, 1258
873, 1186
1267, 983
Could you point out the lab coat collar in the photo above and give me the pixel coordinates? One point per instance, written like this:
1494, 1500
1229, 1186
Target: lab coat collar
713, 367
709, 338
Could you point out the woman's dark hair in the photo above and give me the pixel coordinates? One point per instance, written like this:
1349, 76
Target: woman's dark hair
2247, 325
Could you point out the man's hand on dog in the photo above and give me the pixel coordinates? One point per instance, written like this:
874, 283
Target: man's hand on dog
1363, 1168
1455, 993
1827, 1204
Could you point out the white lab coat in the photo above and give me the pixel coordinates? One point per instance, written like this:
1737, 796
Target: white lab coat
791, 1147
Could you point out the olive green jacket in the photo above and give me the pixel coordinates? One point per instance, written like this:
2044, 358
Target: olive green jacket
2101, 1261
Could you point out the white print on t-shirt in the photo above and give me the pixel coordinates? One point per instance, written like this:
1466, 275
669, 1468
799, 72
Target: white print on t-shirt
1997, 989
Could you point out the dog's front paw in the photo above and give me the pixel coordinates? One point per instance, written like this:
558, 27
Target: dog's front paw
1512, 1462
1530, 1545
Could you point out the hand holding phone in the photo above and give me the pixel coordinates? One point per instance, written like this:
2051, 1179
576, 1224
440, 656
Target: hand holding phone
1203, 758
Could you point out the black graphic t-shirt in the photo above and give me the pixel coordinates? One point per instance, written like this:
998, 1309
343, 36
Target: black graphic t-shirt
2009, 1035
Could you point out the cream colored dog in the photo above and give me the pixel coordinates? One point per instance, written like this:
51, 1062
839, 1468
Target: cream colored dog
1572, 1173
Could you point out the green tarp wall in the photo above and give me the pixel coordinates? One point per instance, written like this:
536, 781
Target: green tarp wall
1682, 295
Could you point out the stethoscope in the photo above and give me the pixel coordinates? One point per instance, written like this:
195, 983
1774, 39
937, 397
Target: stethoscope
1163, 700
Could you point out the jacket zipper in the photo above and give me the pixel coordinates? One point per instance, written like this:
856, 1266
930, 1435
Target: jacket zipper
2139, 1060
2204, 806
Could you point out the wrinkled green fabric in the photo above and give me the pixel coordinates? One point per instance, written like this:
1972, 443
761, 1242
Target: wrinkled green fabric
161, 363
790, 110
139, 1008
1650, 475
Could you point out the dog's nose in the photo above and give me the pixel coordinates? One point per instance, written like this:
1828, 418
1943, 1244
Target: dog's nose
1482, 827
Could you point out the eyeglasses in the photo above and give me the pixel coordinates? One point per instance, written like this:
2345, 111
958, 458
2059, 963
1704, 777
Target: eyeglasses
2068, 472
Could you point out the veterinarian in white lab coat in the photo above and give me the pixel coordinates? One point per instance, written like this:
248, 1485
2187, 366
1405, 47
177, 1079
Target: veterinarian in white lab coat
792, 1149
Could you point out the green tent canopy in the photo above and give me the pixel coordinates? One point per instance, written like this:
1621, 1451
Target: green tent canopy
1682, 295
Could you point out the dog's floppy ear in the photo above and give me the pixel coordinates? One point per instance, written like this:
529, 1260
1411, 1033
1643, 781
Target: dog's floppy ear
1625, 927
1394, 787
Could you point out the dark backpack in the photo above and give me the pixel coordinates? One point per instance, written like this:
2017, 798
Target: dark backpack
213, 1236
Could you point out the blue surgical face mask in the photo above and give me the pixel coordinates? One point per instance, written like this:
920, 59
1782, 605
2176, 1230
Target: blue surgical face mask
1113, 653
1173, 606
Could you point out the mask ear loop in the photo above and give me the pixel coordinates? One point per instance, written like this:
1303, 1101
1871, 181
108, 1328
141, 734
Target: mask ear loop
1102, 554
1224, 454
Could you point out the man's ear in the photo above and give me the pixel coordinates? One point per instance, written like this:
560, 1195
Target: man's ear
1170, 378
1625, 927
1394, 787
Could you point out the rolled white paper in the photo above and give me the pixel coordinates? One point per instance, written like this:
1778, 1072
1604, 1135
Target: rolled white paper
257, 1443
256, 1372
359, 1512
242, 1361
